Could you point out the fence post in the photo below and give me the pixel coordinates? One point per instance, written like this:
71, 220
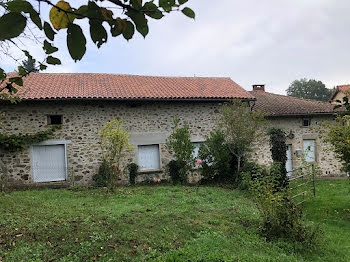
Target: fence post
313, 179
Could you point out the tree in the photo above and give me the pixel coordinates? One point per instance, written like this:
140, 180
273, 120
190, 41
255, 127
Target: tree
179, 144
120, 17
309, 89
29, 66
114, 144
338, 135
278, 149
241, 127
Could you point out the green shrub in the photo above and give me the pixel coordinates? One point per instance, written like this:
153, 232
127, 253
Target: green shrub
133, 171
174, 171
216, 159
181, 147
278, 148
279, 175
250, 172
104, 176
281, 217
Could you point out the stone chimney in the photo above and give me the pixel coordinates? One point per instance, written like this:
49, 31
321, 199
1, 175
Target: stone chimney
259, 87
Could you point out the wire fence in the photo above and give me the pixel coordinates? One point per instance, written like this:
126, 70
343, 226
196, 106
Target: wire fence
302, 183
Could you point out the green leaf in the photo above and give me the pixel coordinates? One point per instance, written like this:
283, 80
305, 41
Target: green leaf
188, 12
42, 67
22, 71
76, 42
115, 30
49, 49
2, 74
152, 10
53, 60
137, 4
82, 12
34, 16
181, 2
26, 53
49, 31
98, 33
17, 80
166, 5
11, 25
140, 21
129, 31
20, 6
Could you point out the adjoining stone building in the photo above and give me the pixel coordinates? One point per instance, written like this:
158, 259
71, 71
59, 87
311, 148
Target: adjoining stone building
82, 103
300, 119
339, 93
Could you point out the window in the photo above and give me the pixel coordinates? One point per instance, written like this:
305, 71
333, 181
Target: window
306, 122
54, 120
196, 149
309, 150
148, 157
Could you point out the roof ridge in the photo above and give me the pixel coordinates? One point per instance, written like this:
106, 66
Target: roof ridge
137, 75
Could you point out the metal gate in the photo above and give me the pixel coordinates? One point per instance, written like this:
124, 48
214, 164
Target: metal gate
302, 183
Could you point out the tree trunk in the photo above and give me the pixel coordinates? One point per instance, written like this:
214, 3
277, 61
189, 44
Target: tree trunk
3, 176
238, 167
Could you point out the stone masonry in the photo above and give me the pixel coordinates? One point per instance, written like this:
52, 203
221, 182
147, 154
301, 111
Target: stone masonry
147, 122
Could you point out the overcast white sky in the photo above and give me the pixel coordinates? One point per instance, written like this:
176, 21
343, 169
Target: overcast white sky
270, 42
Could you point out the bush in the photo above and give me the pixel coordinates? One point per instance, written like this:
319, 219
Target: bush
216, 159
278, 148
174, 171
133, 171
278, 173
114, 140
181, 147
104, 176
281, 217
251, 172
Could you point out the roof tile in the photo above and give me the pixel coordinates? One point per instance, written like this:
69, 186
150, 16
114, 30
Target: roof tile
279, 105
89, 85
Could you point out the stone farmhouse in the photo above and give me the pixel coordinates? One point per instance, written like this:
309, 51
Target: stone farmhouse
300, 119
82, 103
339, 93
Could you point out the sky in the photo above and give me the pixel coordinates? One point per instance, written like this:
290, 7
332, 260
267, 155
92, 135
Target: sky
271, 42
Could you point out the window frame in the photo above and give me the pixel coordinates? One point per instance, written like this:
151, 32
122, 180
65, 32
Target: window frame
49, 119
308, 121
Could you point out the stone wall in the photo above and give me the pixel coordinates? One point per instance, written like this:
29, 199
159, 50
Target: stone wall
325, 157
148, 123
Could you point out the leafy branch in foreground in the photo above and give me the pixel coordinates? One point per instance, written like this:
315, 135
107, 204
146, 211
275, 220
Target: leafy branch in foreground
123, 18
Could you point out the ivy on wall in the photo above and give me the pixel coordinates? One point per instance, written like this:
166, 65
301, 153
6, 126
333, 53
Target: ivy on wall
14, 143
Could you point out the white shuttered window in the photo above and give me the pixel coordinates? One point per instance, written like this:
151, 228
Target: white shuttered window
148, 157
309, 150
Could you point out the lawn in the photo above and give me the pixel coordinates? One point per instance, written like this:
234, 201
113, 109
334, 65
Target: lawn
161, 223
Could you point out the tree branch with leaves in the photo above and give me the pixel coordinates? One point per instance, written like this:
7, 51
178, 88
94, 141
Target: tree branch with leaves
122, 19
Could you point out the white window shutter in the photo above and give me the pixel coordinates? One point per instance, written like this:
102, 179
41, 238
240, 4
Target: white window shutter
309, 150
148, 157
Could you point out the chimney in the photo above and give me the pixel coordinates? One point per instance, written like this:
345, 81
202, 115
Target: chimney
259, 87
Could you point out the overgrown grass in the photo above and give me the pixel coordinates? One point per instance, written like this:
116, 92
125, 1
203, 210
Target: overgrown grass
161, 223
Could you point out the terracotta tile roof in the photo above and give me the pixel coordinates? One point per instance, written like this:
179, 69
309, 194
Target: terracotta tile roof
112, 86
343, 88
279, 105
340, 88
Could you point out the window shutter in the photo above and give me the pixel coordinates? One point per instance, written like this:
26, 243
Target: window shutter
309, 150
148, 157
